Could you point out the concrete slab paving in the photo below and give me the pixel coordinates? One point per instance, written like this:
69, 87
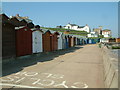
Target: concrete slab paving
82, 68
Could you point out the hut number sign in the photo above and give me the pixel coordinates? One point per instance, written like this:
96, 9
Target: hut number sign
46, 80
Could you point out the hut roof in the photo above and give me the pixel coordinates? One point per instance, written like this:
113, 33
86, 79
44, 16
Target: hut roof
37, 29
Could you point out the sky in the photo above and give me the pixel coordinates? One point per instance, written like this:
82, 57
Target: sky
52, 14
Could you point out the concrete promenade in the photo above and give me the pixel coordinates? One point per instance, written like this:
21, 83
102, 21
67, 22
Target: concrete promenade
78, 67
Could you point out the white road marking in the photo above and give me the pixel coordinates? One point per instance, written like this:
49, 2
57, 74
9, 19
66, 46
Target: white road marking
20, 73
36, 81
62, 84
31, 74
22, 86
80, 84
20, 80
10, 79
50, 84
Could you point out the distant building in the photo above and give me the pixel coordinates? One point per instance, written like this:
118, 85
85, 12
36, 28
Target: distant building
78, 28
92, 34
59, 26
112, 39
98, 30
118, 40
106, 33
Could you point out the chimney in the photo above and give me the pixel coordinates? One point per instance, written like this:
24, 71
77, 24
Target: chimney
100, 27
37, 26
11, 16
17, 15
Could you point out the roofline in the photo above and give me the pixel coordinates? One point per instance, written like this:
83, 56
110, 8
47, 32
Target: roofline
48, 31
56, 33
34, 29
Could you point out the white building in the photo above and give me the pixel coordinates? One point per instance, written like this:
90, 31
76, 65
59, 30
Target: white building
61, 41
106, 33
78, 28
92, 34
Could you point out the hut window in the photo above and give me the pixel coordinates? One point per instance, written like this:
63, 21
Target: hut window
35, 37
25, 29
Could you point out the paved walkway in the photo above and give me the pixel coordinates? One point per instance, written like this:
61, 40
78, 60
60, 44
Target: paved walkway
79, 67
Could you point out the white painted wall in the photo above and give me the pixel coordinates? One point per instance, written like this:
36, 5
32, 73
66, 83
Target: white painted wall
64, 42
75, 27
106, 35
37, 42
60, 42
90, 41
86, 28
68, 25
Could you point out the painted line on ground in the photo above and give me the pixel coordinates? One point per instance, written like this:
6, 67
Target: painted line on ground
22, 86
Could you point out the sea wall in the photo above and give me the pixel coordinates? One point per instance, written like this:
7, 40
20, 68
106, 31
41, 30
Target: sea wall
110, 62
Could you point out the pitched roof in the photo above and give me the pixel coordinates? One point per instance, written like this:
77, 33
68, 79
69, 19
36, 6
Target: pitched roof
37, 29
21, 18
14, 21
106, 30
81, 26
4, 18
73, 25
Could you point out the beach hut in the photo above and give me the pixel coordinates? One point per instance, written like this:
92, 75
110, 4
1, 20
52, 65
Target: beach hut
90, 41
118, 40
87, 40
46, 37
15, 22
30, 25
82, 41
37, 39
66, 41
93, 42
74, 42
23, 41
112, 40
78, 41
8, 38
61, 41
70, 40
54, 41
23, 23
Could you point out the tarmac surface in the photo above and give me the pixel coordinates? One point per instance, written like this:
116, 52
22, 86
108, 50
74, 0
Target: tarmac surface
77, 67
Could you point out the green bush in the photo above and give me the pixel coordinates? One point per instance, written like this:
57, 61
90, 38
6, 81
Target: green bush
115, 47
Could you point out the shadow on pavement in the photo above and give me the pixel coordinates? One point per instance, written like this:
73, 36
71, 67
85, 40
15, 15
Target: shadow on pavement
18, 64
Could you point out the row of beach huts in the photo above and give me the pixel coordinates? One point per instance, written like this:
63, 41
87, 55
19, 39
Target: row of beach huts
20, 38
110, 40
